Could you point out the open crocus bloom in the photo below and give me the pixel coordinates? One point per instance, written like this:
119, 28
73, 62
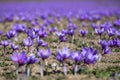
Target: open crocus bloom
28, 42
90, 56
63, 54
44, 53
19, 59
77, 57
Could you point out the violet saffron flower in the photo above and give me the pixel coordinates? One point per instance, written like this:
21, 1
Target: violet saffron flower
41, 42
83, 32
28, 42
107, 51
11, 33
91, 56
62, 55
5, 43
19, 59
30, 60
61, 36
111, 32
103, 43
43, 54
31, 33
99, 31
42, 33
77, 57
14, 47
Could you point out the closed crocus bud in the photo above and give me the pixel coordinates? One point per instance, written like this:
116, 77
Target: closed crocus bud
70, 32
28, 42
107, 50
83, 32
111, 32
5, 43
61, 36
44, 54
103, 43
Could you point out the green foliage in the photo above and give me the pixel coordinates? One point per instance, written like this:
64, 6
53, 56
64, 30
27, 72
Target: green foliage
3, 64
9, 75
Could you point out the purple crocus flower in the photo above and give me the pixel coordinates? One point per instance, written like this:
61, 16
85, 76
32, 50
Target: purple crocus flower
1, 32
32, 59
53, 29
19, 59
43, 54
61, 36
111, 43
62, 55
41, 42
19, 27
107, 50
11, 34
14, 47
70, 32
94, 26
118, 32
111, 32
99, 31
103, 43
83, 32
5, 43
77, 57
31, 33
91, 56
28, 42
42, 33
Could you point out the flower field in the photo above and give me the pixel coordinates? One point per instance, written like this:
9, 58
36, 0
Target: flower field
60, 40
